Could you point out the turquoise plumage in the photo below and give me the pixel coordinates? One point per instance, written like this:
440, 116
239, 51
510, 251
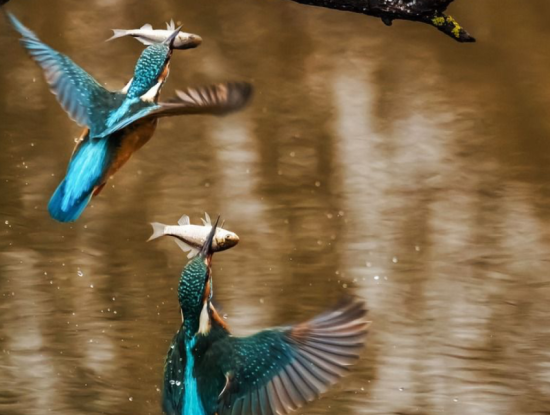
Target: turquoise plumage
208, 371
117, 123
86, 168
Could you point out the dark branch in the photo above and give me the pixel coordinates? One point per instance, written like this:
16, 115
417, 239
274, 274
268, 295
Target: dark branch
425, 11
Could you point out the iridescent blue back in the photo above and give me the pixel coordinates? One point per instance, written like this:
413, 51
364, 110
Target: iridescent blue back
191, 292
148, 69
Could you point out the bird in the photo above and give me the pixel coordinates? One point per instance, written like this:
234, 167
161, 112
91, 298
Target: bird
208, 371
117, 123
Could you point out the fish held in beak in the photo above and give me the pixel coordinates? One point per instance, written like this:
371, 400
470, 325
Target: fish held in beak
186, 41
207, 250
225, 240
170, 39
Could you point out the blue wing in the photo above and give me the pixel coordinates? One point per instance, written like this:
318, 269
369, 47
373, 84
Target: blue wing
86, 170
218, 99
277, 371
79, 94
174, 369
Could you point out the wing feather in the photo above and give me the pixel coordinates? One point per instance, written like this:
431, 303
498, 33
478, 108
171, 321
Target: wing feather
218, 99
279, 370
78, 93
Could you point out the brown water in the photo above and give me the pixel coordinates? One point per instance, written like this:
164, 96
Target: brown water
392, 163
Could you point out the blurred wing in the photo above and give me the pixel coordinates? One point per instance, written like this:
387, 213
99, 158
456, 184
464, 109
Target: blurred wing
76, 90
277, 371
219, 99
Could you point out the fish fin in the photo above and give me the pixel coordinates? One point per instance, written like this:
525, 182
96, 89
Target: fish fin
158, 230
193, 253
171, 25
207, 221
117, 33
144, 41
184, 247
146, 26
184, 220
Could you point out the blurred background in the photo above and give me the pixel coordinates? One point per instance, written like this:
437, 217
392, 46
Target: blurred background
388, 162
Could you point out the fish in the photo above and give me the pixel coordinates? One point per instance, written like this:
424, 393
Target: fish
149, 36
191, 238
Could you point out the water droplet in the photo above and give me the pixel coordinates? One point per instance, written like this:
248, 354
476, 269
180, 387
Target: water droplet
7, 222
80, 273
394, 260
172, 382
345, 285
130, 399
401, 389
225, 316
91, 285
376, 277
318, 184
417, 248
261, 300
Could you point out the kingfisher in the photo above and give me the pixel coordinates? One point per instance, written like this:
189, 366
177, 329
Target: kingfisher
275, 371
117, 123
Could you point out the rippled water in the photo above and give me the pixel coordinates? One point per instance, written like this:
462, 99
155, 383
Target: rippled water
392, 163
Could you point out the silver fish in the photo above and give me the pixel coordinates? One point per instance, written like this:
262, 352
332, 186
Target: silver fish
148, 36
191, 238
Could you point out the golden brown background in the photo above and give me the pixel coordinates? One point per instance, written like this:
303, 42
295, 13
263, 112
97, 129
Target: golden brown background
392, 163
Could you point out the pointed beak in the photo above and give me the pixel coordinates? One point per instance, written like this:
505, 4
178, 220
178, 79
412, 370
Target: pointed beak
170, 39
206, 250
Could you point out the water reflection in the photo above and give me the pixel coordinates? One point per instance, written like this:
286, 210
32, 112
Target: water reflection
388, 162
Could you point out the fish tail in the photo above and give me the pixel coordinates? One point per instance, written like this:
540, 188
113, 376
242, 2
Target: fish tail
117, 33
64, 208
158, 230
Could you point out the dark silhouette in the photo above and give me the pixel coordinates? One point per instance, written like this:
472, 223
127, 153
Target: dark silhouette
425, 11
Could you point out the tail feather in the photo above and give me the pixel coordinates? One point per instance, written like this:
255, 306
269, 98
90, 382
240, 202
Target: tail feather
84, 175
117, 33
58, 205
158, 230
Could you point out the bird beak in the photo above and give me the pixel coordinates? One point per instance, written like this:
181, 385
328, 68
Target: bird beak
170, 39
206, 250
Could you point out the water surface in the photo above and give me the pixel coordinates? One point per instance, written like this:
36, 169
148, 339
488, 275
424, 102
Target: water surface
391, 163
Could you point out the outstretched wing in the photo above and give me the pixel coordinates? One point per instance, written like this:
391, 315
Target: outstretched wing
218, 99
277, 371
84, 99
